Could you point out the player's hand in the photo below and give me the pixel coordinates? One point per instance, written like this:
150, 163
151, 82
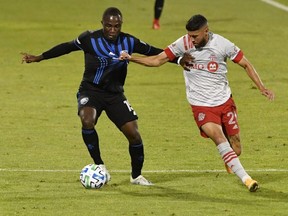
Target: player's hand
124, 56
28, 58
268, 93
186, 60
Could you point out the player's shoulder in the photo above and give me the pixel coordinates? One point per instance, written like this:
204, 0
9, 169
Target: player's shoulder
90, 33
126, 35
218, 37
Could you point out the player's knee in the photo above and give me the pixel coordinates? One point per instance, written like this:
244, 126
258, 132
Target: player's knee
134, 138
87, 123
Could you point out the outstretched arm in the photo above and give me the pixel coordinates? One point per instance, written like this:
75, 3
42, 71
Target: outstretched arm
54, 52
150, 61
156, 60
251, 72
28, 58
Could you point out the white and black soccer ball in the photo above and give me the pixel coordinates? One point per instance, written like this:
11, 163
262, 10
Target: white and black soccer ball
93, 176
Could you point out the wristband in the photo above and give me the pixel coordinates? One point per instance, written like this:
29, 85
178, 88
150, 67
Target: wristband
178, 61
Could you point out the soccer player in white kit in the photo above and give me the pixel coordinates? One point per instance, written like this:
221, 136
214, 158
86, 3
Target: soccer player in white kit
207, 87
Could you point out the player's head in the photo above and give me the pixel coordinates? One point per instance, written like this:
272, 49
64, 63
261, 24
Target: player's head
111, 22
197, 27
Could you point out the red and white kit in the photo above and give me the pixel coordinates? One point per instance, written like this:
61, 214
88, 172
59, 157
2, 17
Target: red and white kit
206, 82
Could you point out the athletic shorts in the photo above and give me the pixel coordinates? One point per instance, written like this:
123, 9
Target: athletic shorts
115, 105
225, 115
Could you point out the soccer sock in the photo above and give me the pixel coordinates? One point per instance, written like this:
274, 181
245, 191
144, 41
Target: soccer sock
91, 140
158, 9
137, 159
231, 159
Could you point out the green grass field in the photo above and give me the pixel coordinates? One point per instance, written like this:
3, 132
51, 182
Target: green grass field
42, 151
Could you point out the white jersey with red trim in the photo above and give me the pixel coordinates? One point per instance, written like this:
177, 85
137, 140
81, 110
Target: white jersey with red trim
206, 82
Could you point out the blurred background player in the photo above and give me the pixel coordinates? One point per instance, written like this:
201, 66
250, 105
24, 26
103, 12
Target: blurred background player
158, 7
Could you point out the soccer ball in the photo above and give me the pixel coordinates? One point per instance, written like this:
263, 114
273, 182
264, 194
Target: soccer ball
93, 176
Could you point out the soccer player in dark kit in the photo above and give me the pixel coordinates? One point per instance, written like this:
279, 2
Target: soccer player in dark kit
101, 88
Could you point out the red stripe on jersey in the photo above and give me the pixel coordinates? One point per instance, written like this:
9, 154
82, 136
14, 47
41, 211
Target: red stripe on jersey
238, 57
190, 42
185, 42
169, 54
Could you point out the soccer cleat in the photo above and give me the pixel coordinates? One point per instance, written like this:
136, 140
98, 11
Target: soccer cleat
140, 180
108, 177
251, 184
156, 24
228, 169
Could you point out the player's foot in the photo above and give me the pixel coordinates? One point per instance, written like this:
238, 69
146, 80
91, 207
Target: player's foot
156, 24
251, 184
228, 169
140, 180
108, 177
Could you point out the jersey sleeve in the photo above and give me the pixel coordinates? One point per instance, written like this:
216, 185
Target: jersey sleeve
144, 48
179, 47
232, 51
79, 41
59, 50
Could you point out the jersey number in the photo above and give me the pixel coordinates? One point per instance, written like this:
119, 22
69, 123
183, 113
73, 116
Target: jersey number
233, 117
130, 108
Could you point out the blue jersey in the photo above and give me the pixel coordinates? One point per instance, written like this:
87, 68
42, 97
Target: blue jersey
103, 70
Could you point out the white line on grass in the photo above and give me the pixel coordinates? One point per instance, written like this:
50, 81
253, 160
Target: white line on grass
144, 171
276, 4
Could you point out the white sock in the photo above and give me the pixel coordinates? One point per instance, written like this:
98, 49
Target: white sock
231, 159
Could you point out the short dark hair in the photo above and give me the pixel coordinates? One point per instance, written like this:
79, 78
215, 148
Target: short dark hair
196, 22
112, 11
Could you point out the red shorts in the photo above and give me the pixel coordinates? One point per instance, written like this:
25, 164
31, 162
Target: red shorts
225, 115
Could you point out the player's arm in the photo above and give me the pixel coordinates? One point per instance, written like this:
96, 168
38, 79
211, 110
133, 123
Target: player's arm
150, 61
58, 50
157, 60
254, 76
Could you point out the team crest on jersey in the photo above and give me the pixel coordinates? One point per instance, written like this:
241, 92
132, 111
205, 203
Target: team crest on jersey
201, 116
212, 66
84, 100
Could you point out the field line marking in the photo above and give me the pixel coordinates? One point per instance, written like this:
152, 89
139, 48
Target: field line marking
145, 171
276, 4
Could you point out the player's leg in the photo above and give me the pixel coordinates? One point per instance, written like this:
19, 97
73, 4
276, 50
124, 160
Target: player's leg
136, 151
125, 118
230, 125
158, 7
88, 117
215, 132
89, 134
235, 143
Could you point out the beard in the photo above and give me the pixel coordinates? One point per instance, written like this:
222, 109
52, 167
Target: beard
202, 43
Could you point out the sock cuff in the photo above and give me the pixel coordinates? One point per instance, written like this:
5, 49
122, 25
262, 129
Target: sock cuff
88, 131
222, 146
137, 145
